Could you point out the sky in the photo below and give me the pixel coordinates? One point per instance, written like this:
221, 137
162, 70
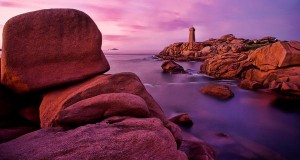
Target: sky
154, 24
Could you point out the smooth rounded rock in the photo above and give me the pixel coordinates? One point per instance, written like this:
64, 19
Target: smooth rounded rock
51, 47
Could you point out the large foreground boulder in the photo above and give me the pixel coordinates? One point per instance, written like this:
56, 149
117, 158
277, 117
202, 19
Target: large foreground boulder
96, 99
112, 139
50, 47
277, 55
95, 94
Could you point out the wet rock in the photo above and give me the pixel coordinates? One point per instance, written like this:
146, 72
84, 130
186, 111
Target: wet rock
219, 91
250, 85
38, 55
132, 138
172, 67
277, 55
197, 149
182, 120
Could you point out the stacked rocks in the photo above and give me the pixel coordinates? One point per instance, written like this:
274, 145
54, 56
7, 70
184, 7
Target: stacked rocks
200, 51
52, 78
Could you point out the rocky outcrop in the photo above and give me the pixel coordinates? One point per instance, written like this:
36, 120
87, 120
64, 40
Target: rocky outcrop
218, 91
275, 66
38, 55
251, 85
200, 51
84, 114
112, 138
285, 80
99, 95
169, 66
278, 55
227, 65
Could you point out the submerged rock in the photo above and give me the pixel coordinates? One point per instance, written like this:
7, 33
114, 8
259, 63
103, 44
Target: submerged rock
172, 67
113, 138
182, 120
197, 149
38, 55
219, 91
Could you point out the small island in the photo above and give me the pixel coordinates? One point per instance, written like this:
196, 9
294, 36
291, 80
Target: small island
113, 49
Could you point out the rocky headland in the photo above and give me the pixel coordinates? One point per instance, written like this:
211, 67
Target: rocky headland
56, 102
260, 63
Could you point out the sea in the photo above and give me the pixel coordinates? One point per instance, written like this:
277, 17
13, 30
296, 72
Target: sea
251, 125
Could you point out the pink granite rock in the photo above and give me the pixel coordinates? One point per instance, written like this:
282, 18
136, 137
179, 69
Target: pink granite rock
50, 47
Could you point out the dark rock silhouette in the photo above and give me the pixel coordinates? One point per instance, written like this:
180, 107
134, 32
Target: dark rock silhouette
172, 67
182, 120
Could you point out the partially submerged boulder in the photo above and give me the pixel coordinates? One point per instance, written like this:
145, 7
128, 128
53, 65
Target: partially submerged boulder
50, 47
113, 138
169, 66
182, 120
277, 55
219, 91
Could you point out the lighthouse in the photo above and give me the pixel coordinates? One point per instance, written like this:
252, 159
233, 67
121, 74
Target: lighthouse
191, 38
192, 35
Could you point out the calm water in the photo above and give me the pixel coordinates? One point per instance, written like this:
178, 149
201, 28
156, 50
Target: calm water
249, 126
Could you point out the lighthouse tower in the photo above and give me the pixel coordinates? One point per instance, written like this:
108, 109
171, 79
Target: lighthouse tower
191, 38
192, 35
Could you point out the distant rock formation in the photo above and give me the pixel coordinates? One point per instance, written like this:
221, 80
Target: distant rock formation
200, 51
262, 63
83, 113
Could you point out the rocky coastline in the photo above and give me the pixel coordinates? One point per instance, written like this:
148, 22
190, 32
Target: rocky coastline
266, 63
58, 103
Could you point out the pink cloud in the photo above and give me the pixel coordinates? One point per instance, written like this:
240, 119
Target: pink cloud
10, 4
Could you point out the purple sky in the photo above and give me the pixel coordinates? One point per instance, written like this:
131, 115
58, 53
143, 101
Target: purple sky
153, 24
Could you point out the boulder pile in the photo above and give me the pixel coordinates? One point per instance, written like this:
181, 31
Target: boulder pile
200, 51
53, 81
263, 63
